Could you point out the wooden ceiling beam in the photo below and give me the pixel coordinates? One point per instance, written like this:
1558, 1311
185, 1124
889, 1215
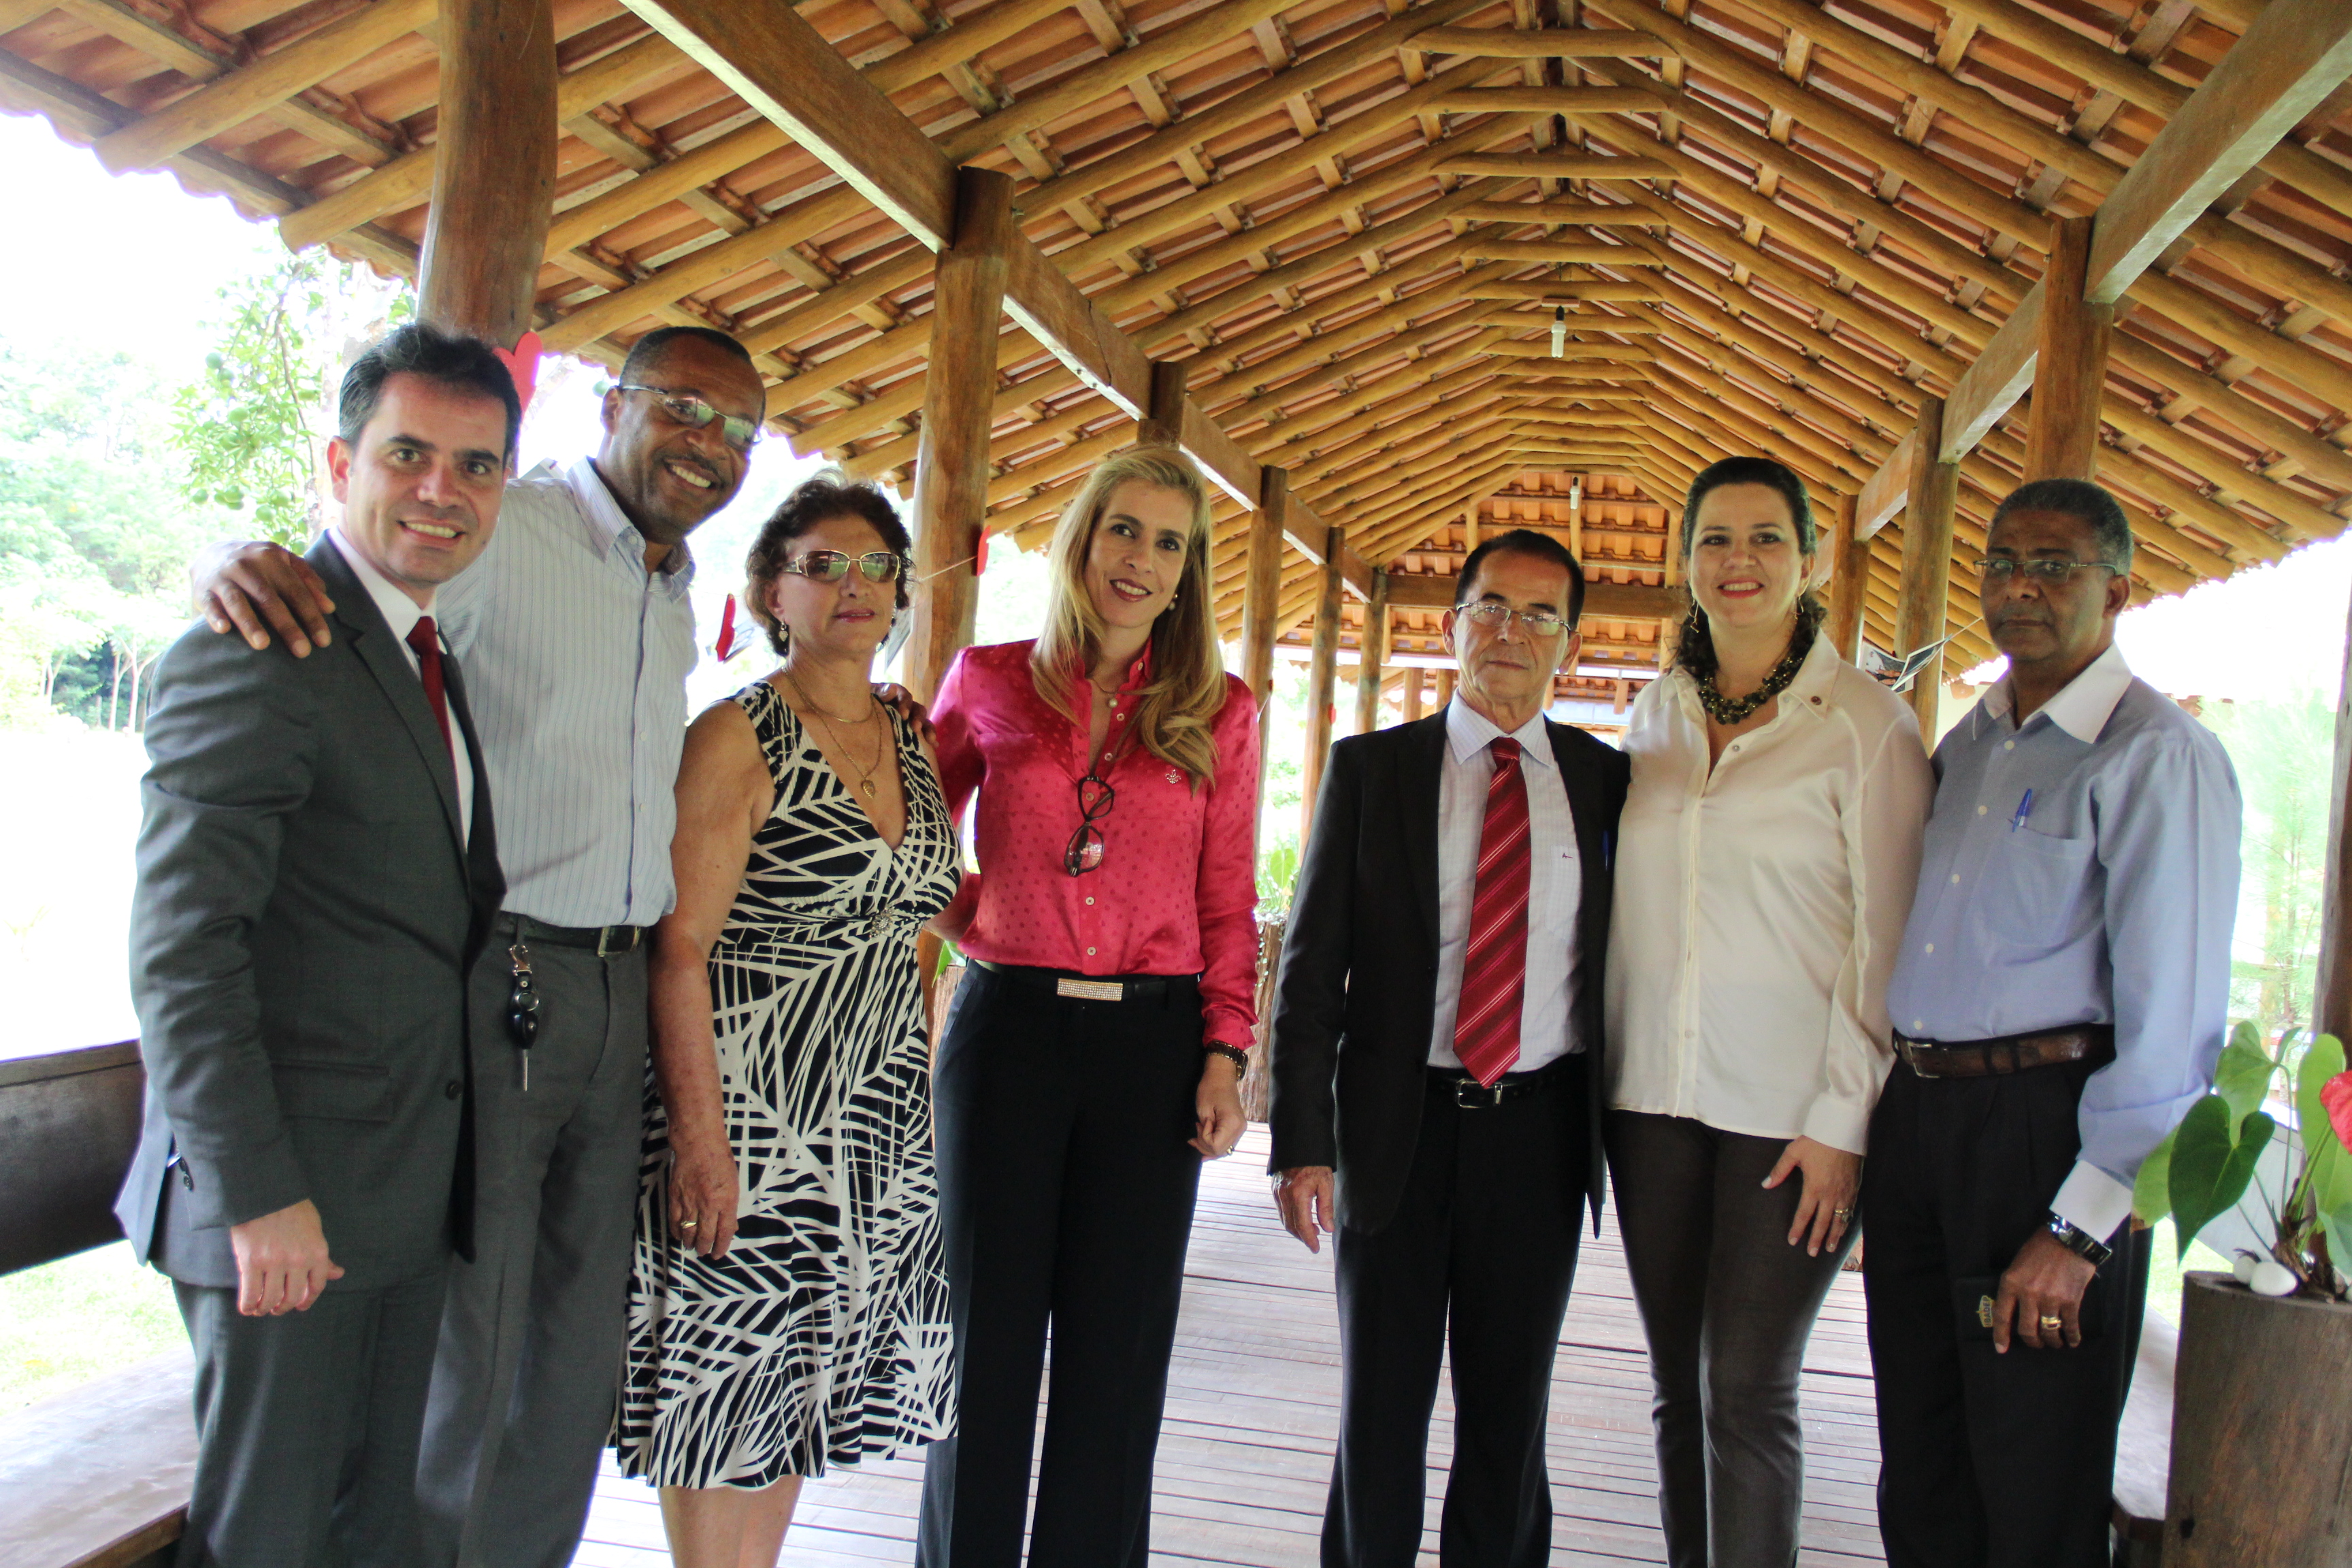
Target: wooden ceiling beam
230, 100
784, 68
81, 112
2286, 62
1856, 131
408, 180
2135, 84
168, 46
1539, 43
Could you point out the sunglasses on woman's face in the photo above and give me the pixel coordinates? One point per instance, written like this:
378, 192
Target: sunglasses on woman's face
832, 565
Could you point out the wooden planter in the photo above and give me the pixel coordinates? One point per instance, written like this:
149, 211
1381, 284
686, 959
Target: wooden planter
2262, 1432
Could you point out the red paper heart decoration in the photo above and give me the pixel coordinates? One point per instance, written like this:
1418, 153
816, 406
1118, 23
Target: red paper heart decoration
2335, 1094
979, 558
522, 364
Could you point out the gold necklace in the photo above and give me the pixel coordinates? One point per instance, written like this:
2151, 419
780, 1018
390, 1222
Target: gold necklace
865, 785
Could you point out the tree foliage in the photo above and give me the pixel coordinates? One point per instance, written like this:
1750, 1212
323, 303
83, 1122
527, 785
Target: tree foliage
252, 425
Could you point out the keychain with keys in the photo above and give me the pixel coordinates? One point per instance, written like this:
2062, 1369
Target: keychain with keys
522, 1009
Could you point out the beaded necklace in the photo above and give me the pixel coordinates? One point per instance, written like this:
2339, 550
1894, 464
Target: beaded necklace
1732, 710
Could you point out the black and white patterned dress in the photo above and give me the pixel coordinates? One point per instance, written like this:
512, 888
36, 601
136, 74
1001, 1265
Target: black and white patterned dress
823, 1336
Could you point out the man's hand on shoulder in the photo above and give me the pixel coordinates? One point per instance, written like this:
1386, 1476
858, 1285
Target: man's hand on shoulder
1305, 1195
282, 1261
254, 588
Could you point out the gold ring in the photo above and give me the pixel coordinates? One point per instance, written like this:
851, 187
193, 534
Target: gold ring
2049, 1322
688, 1224
1843, 1215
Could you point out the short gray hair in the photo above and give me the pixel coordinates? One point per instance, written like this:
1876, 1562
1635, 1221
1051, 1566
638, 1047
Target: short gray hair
2090, 504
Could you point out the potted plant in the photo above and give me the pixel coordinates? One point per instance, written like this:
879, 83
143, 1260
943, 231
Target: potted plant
2262, 1423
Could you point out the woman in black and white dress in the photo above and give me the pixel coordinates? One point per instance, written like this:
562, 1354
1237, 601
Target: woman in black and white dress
789, 1306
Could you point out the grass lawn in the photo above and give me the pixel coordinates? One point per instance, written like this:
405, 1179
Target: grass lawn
64, 1322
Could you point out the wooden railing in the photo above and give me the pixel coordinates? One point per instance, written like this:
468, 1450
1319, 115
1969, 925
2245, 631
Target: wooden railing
97, 1478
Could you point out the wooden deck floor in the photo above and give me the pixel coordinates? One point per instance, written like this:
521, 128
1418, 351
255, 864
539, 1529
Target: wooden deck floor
1252, 1409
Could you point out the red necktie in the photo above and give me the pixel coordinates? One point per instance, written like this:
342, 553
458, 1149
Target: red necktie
1494, 971
423, 638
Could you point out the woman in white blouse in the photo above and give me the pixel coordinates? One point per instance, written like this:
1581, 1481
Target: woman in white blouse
1764, 872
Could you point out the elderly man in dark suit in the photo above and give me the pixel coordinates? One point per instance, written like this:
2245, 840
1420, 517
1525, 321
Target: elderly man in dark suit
1437, 1038
317, 869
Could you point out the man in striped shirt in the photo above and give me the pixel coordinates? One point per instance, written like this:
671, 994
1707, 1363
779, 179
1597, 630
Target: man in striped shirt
577, 635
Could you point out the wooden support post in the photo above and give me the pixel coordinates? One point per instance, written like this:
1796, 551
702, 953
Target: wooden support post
1470, 525
1262, 601
1444, 688
1849, 583
951, 462
493, 185
1576, 519
1162, 424
1322, 675
1921, 606
2332, 1009
1412, 687
1372, 654
2061, 439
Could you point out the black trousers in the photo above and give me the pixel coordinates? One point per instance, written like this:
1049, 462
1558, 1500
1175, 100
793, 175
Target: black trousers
1986, 1460
1066, 1182
1478, 1258
1727, 1305
307, 1427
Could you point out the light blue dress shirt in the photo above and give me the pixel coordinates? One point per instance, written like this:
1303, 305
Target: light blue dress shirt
575, 660
2108, 899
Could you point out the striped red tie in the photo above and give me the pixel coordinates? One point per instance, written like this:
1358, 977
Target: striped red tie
1494, 971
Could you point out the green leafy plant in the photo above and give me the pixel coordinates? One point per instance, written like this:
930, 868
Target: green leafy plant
2204, 1167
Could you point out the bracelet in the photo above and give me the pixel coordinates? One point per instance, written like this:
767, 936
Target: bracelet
2079, 1242
1234, 1054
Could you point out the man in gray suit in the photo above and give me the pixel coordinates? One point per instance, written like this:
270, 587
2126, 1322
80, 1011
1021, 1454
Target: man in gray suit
317, 869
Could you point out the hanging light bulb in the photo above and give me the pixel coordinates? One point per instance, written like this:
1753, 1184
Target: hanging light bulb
1560, 332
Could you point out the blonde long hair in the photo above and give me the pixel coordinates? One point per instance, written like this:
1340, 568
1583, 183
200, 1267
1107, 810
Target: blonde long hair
1176, 708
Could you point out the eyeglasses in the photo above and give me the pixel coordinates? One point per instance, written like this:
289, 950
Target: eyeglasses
688, 409
2049, 574
832, 565
1496, 617
1085, 852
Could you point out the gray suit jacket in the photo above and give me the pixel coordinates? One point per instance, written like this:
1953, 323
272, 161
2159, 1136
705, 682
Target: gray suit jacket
306, 913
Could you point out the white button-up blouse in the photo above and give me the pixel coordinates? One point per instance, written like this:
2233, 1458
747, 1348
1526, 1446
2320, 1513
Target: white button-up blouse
1760, 904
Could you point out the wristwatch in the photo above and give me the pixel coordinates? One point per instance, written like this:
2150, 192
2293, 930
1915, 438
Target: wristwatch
1234, 1054
2079, 1242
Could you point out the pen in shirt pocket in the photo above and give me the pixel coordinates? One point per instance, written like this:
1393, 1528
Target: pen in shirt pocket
2024, 810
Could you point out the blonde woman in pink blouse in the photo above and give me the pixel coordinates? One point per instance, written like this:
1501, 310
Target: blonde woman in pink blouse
1094, 1053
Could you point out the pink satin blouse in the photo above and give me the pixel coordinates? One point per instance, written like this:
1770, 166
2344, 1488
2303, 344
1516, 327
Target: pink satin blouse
1177, 889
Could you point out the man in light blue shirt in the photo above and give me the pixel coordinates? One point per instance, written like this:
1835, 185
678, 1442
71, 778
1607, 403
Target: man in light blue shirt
2059, 1004
577, 635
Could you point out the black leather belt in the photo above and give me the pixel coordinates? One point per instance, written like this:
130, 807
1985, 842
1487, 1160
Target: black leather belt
1073, 986
2008, 1053
1469, 1094
604, 941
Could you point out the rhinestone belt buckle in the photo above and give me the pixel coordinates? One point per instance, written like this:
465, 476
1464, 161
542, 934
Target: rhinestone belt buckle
1090, 990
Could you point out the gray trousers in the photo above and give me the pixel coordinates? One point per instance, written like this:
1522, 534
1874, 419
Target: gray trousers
533, 1334
307, 1427
1727, 1305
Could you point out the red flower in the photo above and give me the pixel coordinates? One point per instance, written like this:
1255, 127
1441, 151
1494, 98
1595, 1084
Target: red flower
2336, 1095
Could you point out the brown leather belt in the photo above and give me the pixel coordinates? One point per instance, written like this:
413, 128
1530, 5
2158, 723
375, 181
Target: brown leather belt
2010, 1053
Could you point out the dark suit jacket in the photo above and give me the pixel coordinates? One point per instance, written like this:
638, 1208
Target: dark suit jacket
305, 916
1358, 992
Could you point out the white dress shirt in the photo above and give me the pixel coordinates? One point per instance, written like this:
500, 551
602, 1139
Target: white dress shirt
1555, 885
577, 660
402, 613
1759, 906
